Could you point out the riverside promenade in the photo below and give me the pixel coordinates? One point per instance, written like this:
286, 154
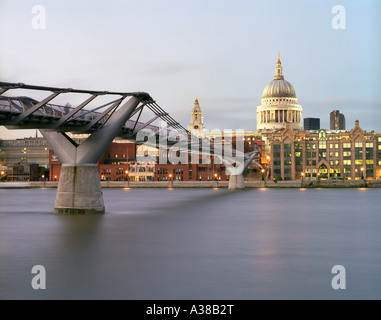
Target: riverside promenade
208, 184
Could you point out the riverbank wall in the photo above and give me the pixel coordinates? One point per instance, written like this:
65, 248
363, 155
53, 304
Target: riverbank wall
209, 184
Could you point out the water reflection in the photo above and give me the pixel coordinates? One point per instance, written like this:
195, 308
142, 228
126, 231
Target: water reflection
193, 244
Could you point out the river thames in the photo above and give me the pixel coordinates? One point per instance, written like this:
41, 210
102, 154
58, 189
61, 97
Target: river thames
194, 244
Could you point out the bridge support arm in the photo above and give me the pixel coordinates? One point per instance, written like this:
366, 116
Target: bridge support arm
92, 149
62, 145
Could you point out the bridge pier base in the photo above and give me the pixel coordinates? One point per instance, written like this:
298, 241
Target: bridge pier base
79, 190
236, 182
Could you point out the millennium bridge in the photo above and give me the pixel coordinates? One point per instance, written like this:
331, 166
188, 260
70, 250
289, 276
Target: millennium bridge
102, 116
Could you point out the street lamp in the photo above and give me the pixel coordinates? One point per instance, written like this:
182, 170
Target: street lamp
170, 179
263, 174
216, 178
302, 176
362, 173
126, 172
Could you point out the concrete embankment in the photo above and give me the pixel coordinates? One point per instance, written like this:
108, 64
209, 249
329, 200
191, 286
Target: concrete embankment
342, 184
208, 184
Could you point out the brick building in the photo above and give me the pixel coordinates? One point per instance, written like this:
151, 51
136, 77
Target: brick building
113, 166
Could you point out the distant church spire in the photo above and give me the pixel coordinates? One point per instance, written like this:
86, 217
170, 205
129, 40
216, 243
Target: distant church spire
279, 70
197, 120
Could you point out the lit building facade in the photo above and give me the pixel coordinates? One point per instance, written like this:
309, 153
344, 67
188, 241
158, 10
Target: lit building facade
279, 104
113, 166
24, 159
207, 169
322, 154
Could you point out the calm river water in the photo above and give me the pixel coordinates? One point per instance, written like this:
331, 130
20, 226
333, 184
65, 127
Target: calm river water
194, 244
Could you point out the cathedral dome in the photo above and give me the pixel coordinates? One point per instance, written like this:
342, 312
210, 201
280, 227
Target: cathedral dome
279, 88
279, 105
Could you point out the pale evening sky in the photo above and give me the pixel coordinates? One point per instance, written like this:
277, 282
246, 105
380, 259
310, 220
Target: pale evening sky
222, 51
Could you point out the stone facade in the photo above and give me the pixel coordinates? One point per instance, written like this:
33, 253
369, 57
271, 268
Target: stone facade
322, 154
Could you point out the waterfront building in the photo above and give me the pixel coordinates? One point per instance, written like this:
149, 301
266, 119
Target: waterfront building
190, 172
25, 172
24, 159
208, 168
336, 120
311, 124
114, 165
322, 154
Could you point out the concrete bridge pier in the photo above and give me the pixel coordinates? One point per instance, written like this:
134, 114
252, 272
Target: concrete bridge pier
79, 189
236, 182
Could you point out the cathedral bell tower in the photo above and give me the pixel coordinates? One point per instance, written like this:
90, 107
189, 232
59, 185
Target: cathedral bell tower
197, 121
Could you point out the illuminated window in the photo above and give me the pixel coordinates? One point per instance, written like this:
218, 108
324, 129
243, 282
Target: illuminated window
358, 145
369, 145
369, 162
336, 146
358, 162
346, 153
298, 154
347, 162
322, 144
346, 145
379, 147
